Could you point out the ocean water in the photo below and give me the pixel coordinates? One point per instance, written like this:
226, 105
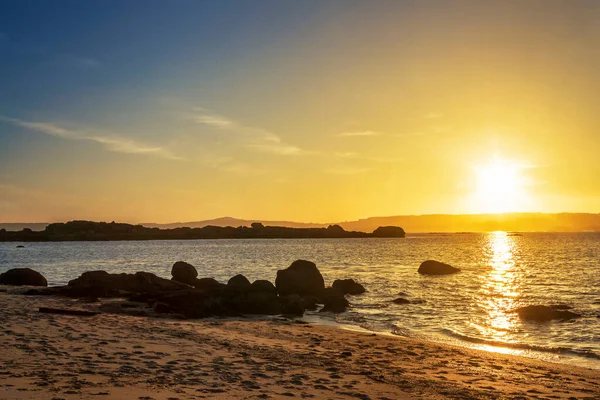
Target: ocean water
473, 308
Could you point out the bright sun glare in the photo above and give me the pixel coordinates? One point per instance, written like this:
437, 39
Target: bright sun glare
500, 187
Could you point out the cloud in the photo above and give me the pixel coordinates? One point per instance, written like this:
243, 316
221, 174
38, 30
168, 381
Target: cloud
359, 133
278, 148
255, 138
114, 143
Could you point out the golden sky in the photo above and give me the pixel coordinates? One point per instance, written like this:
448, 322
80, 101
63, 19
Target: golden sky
315, 111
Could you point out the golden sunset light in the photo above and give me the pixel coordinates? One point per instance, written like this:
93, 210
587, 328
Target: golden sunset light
307, 199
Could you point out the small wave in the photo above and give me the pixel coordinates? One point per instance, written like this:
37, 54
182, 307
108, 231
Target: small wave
522, 346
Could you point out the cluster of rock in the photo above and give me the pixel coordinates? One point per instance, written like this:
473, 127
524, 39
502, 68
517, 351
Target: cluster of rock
297, 288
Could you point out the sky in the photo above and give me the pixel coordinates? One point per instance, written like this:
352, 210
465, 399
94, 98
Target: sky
314, 111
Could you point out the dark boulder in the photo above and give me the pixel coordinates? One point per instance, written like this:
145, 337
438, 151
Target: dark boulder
333, 301
23, 277
389, 231
239, 281
184, 272
262, 285
348, 286
103, 284
401, 300
540, 313
302, 277
207, 284
431, 267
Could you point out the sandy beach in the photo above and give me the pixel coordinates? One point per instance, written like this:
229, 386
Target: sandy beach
116, 356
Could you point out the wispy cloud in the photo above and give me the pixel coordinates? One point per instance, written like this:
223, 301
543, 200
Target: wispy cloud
252, 137
359, 133
111, 142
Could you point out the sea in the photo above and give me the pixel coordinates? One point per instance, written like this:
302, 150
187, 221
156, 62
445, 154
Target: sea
474, 308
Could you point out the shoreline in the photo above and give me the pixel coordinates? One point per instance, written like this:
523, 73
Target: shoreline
122, 356
567, 357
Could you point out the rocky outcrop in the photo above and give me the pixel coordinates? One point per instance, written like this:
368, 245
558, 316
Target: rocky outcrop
298, 288
540, 313
302, 278
389, 231
348, 286
431, 267
184, 273
401, 300
22, 277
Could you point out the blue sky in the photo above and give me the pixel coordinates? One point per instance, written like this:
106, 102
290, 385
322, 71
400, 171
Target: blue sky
213, 105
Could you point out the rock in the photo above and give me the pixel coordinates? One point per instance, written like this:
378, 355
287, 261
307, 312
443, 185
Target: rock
302, 277
20, 246
23, 277
431, 267
389, 231
401, 300
103, 284
310, 302
539, 313
239, 281
263, 285
292, 305
348, 286
184, 272
207, 284
333, 301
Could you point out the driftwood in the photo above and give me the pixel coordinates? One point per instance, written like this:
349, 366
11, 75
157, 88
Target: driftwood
60, 311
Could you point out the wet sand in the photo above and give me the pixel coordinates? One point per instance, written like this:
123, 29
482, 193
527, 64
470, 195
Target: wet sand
116, 356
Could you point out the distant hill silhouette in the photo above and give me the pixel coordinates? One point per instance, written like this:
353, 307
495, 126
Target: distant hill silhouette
90, 231
518, 222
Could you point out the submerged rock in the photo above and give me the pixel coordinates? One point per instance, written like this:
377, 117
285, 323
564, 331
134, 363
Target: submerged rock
23, 277
539, 313
302, 277
348, 286
401, 300
432, 267
184, 273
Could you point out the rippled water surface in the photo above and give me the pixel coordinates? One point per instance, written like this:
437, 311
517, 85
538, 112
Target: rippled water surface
499, 273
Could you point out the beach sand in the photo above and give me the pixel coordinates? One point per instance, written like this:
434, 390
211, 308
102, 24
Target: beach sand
115, 356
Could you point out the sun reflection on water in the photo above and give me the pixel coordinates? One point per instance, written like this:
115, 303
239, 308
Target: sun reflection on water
501, 288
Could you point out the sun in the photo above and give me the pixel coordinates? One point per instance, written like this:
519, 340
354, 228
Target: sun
500, 187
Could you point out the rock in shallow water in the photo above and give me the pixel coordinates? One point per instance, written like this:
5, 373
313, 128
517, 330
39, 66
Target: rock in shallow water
348, 286
23, 277
302, 277
539, 313
432, 267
